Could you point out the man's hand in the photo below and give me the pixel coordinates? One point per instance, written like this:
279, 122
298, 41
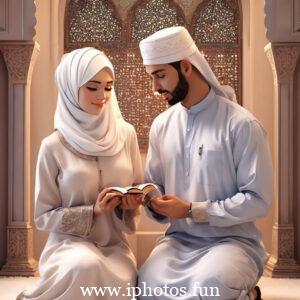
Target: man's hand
171, 206
106, 202
132, 201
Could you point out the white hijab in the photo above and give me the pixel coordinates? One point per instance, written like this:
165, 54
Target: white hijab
174, 44
97, 135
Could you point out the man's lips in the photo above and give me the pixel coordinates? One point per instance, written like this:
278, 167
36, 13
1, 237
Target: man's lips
164, 95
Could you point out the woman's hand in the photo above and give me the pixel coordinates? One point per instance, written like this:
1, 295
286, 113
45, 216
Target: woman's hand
106, 202
132, 201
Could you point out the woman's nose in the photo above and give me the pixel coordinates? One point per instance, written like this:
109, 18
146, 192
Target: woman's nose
100, 95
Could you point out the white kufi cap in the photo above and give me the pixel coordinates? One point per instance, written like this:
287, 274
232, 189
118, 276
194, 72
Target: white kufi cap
174, 44
167, 45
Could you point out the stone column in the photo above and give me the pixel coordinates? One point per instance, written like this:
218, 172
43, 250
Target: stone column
19, 58
283, 59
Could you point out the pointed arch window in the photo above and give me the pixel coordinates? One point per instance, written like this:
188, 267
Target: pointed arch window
91, 23
217, 31
215, 26
148, 17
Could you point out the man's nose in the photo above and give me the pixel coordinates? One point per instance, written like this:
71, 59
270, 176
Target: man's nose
155, 86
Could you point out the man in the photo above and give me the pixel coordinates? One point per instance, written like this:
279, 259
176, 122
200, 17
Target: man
210, 158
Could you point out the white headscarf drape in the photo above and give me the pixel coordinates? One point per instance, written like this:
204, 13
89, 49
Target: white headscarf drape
97, 135
174, 44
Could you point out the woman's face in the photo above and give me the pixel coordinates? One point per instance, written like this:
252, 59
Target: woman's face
96, 92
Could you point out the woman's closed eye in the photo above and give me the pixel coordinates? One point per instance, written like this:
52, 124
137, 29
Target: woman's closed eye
91, 88
108, 89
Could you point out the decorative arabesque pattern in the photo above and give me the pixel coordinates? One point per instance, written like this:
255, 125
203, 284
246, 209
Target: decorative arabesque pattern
153, 16
136, 100
92, 21
219, 42
142, 107
215, 24
216, 30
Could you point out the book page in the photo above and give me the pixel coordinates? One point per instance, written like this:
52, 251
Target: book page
144, 185
119, 190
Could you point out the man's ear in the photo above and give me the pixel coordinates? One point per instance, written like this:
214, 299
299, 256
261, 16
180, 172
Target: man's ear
186, 68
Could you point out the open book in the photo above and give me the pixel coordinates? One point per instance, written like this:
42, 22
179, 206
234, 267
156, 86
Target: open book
149, 190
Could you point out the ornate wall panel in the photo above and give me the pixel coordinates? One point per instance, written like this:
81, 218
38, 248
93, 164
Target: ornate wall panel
92, 21
151, 16
283, 51
102, 24
18, 50
19, 57
217, 30
283, 58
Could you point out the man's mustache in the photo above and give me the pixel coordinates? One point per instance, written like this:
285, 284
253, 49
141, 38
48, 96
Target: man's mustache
159, 92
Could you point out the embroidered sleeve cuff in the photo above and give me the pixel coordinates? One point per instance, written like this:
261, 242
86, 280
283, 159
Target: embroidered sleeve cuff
199, 211
77, 220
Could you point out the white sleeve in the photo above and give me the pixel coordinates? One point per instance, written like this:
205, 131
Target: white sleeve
254, 180
154, 172
49, 214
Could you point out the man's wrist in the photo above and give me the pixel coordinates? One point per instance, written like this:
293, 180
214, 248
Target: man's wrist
199, 211
189, 213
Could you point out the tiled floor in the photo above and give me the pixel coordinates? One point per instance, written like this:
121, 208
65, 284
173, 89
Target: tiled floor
272, 289
10, 287
280, 289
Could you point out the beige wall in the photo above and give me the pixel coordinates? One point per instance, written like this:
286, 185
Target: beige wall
257, 94
258, 87
42, 104
43, 90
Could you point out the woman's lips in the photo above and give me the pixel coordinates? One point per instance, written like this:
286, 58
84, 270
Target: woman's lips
100, 103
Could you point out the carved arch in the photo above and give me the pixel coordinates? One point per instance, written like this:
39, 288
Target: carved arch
158, 13
221, 42
92, 23
132, 84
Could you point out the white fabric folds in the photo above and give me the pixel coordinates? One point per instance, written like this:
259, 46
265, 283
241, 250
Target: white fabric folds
100, 135
174, 44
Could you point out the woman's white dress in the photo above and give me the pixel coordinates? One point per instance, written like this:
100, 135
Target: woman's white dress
82, 250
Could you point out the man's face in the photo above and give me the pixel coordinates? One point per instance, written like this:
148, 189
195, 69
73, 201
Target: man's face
168, 82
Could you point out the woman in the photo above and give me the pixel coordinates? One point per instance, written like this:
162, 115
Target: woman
92, 148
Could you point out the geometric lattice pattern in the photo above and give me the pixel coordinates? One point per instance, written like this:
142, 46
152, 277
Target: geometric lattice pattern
137, 103
224, 63
215, 24
215, 27
217, 32
133, 87
92, 21
153, 16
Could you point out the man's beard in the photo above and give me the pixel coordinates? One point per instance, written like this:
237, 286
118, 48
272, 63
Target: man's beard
180, 91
